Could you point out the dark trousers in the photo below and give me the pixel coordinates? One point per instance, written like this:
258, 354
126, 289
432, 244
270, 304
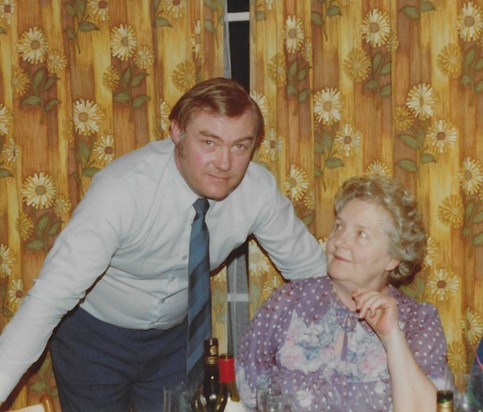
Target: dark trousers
102, 367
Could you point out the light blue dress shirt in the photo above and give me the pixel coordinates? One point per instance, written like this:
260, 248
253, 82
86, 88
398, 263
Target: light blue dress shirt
124, 253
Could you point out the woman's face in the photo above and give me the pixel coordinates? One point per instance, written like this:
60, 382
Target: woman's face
358, 246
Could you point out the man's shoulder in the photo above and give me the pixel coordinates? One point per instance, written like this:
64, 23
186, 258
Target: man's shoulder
148, 160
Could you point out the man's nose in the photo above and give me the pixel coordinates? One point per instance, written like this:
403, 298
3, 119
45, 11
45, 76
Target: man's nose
223, 159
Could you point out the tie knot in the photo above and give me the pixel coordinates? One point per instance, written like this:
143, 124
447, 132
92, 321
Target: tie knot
201, 206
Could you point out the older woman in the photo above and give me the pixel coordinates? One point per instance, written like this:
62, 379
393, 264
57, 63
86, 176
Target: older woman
351, 341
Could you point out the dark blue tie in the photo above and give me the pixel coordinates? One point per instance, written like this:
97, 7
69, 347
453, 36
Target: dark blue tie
199, 294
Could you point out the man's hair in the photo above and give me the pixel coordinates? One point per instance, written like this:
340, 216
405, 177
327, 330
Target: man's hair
219, 96
407, 237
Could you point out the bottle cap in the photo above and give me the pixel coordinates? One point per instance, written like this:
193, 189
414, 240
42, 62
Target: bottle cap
226, 366
445, 396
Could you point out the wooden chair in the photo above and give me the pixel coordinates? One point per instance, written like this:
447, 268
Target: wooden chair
46, 405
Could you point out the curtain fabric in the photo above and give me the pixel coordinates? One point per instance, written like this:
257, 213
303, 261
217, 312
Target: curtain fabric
380, 87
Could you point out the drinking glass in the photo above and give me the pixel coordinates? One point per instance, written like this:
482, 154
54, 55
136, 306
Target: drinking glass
279, 403
468, 393
271, 399
176, 399
264, 392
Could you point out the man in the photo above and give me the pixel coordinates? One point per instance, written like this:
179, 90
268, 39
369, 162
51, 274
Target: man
124, 256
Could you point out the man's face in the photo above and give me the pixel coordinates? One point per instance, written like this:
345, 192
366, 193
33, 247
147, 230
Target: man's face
213, 153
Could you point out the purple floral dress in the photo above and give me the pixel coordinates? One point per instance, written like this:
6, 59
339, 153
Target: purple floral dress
307, 342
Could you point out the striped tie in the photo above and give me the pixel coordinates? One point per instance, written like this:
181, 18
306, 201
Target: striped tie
199, 294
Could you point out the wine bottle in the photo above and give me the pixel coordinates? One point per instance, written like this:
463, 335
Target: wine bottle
226, 364
211, 378
444, 401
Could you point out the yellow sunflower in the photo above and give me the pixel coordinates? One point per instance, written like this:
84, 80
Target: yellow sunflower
184, 76
15, 292
271, 145
258, 262
347, 140
450, 60
7, 260
273, 283
293, 34
104, 149
309, 199
421, 101
377, 168
24, 225
111, 78
277, 69
175, 8
62, 206
20, 81
87, 116
296, 184
144, 57
472, 326
470, 22
38, 191
196, 42
7, 10
10, 152
56, 61
450, 211
432, 250
442, 136
262, 103
442, 285
393, 42
375, 28
402, 118
98, 9
357, 65
327, 106
32, 46
471, 176
164, 111
457, 356
68, 131
5, 119
123, 41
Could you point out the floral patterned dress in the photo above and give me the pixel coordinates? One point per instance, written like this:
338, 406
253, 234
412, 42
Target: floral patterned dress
305, 341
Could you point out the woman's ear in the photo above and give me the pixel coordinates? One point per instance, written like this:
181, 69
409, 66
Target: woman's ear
392, 264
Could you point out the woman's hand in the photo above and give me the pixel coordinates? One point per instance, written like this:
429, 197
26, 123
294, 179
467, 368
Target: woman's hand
379, 310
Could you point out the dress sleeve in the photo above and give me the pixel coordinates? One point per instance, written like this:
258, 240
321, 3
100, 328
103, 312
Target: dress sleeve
260, 343
426, 339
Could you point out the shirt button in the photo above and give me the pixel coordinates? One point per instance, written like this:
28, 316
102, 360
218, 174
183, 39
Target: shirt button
185, 257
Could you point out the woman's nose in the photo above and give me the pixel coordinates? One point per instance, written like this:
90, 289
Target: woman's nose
340, 240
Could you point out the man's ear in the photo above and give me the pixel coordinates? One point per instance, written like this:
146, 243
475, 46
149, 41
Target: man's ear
175, 132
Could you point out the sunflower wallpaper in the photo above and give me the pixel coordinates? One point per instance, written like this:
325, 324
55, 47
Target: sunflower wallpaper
347, 87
